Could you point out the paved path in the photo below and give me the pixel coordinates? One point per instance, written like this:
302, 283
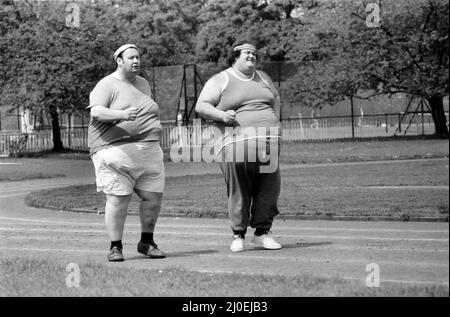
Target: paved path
413, 253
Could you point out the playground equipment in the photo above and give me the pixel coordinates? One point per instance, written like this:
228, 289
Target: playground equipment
188, 94
413, 119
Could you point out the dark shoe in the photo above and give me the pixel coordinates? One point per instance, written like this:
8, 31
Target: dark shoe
115, 255
150, 250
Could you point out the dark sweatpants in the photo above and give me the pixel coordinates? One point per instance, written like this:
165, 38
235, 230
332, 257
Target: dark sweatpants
252, 196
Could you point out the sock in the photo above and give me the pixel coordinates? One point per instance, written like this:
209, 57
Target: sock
240, 233
147, 237
117, 243
261, 231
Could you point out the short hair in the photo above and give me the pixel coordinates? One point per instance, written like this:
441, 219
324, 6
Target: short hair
234, 54
120, 56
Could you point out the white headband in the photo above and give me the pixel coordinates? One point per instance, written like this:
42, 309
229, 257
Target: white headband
123, 48
245, 46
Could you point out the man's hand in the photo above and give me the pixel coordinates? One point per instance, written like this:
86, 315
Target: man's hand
229, 116
130, 113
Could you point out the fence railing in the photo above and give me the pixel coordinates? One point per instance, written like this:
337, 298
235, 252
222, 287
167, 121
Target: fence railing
343, 127
294, 129
42, 141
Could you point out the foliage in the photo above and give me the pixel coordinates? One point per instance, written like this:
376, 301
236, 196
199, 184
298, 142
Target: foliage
18, 145
50, 66
268, 24
407, 53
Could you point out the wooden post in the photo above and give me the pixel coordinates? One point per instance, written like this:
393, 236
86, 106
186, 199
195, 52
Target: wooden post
186, 102
195, 90
353, 118
154, 85
69, 130
421, 109
19, 124
386, 122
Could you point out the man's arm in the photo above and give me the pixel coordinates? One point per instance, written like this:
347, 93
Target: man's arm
277, 102
104, 114
148, 89
209, 98
99, 101
277, 107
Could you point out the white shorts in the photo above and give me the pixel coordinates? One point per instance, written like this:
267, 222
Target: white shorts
121, 169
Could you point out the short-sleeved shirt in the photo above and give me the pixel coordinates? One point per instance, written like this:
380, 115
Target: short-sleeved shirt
115, 93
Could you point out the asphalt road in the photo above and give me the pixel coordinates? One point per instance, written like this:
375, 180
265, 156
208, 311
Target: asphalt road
405, 252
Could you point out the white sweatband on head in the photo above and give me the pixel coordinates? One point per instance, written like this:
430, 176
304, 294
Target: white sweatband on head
123, 48
245, 46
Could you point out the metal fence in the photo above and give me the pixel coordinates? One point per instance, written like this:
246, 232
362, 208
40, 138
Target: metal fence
294, 130
345, 127
11, 143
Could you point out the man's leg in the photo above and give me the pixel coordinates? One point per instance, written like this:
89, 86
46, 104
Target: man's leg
265, 200
238, 177
115, 214
148, 212
149, 209
265, 208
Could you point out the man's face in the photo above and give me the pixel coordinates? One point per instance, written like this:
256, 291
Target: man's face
130, 61
247, 59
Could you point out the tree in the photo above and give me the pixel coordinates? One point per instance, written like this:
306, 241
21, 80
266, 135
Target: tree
337, 53
415, 56
407, 53
51, 66
49, 63
270, 25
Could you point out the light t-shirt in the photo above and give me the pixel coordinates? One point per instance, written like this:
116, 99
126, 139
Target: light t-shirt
115, 93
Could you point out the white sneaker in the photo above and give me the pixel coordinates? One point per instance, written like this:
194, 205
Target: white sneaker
266, 241
238, 244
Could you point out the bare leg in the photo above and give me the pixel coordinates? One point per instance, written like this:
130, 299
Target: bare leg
149, 209
149, 212
115, 214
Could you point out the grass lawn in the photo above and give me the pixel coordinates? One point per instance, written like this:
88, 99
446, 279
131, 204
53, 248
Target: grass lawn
347, 190
33, 277
37, 168
18, 175
49, 165
363, 150
414, 188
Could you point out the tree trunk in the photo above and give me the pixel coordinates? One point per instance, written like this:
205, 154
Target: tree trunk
57, 143
437, 111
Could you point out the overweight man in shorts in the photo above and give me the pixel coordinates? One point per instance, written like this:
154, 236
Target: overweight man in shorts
123, 138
